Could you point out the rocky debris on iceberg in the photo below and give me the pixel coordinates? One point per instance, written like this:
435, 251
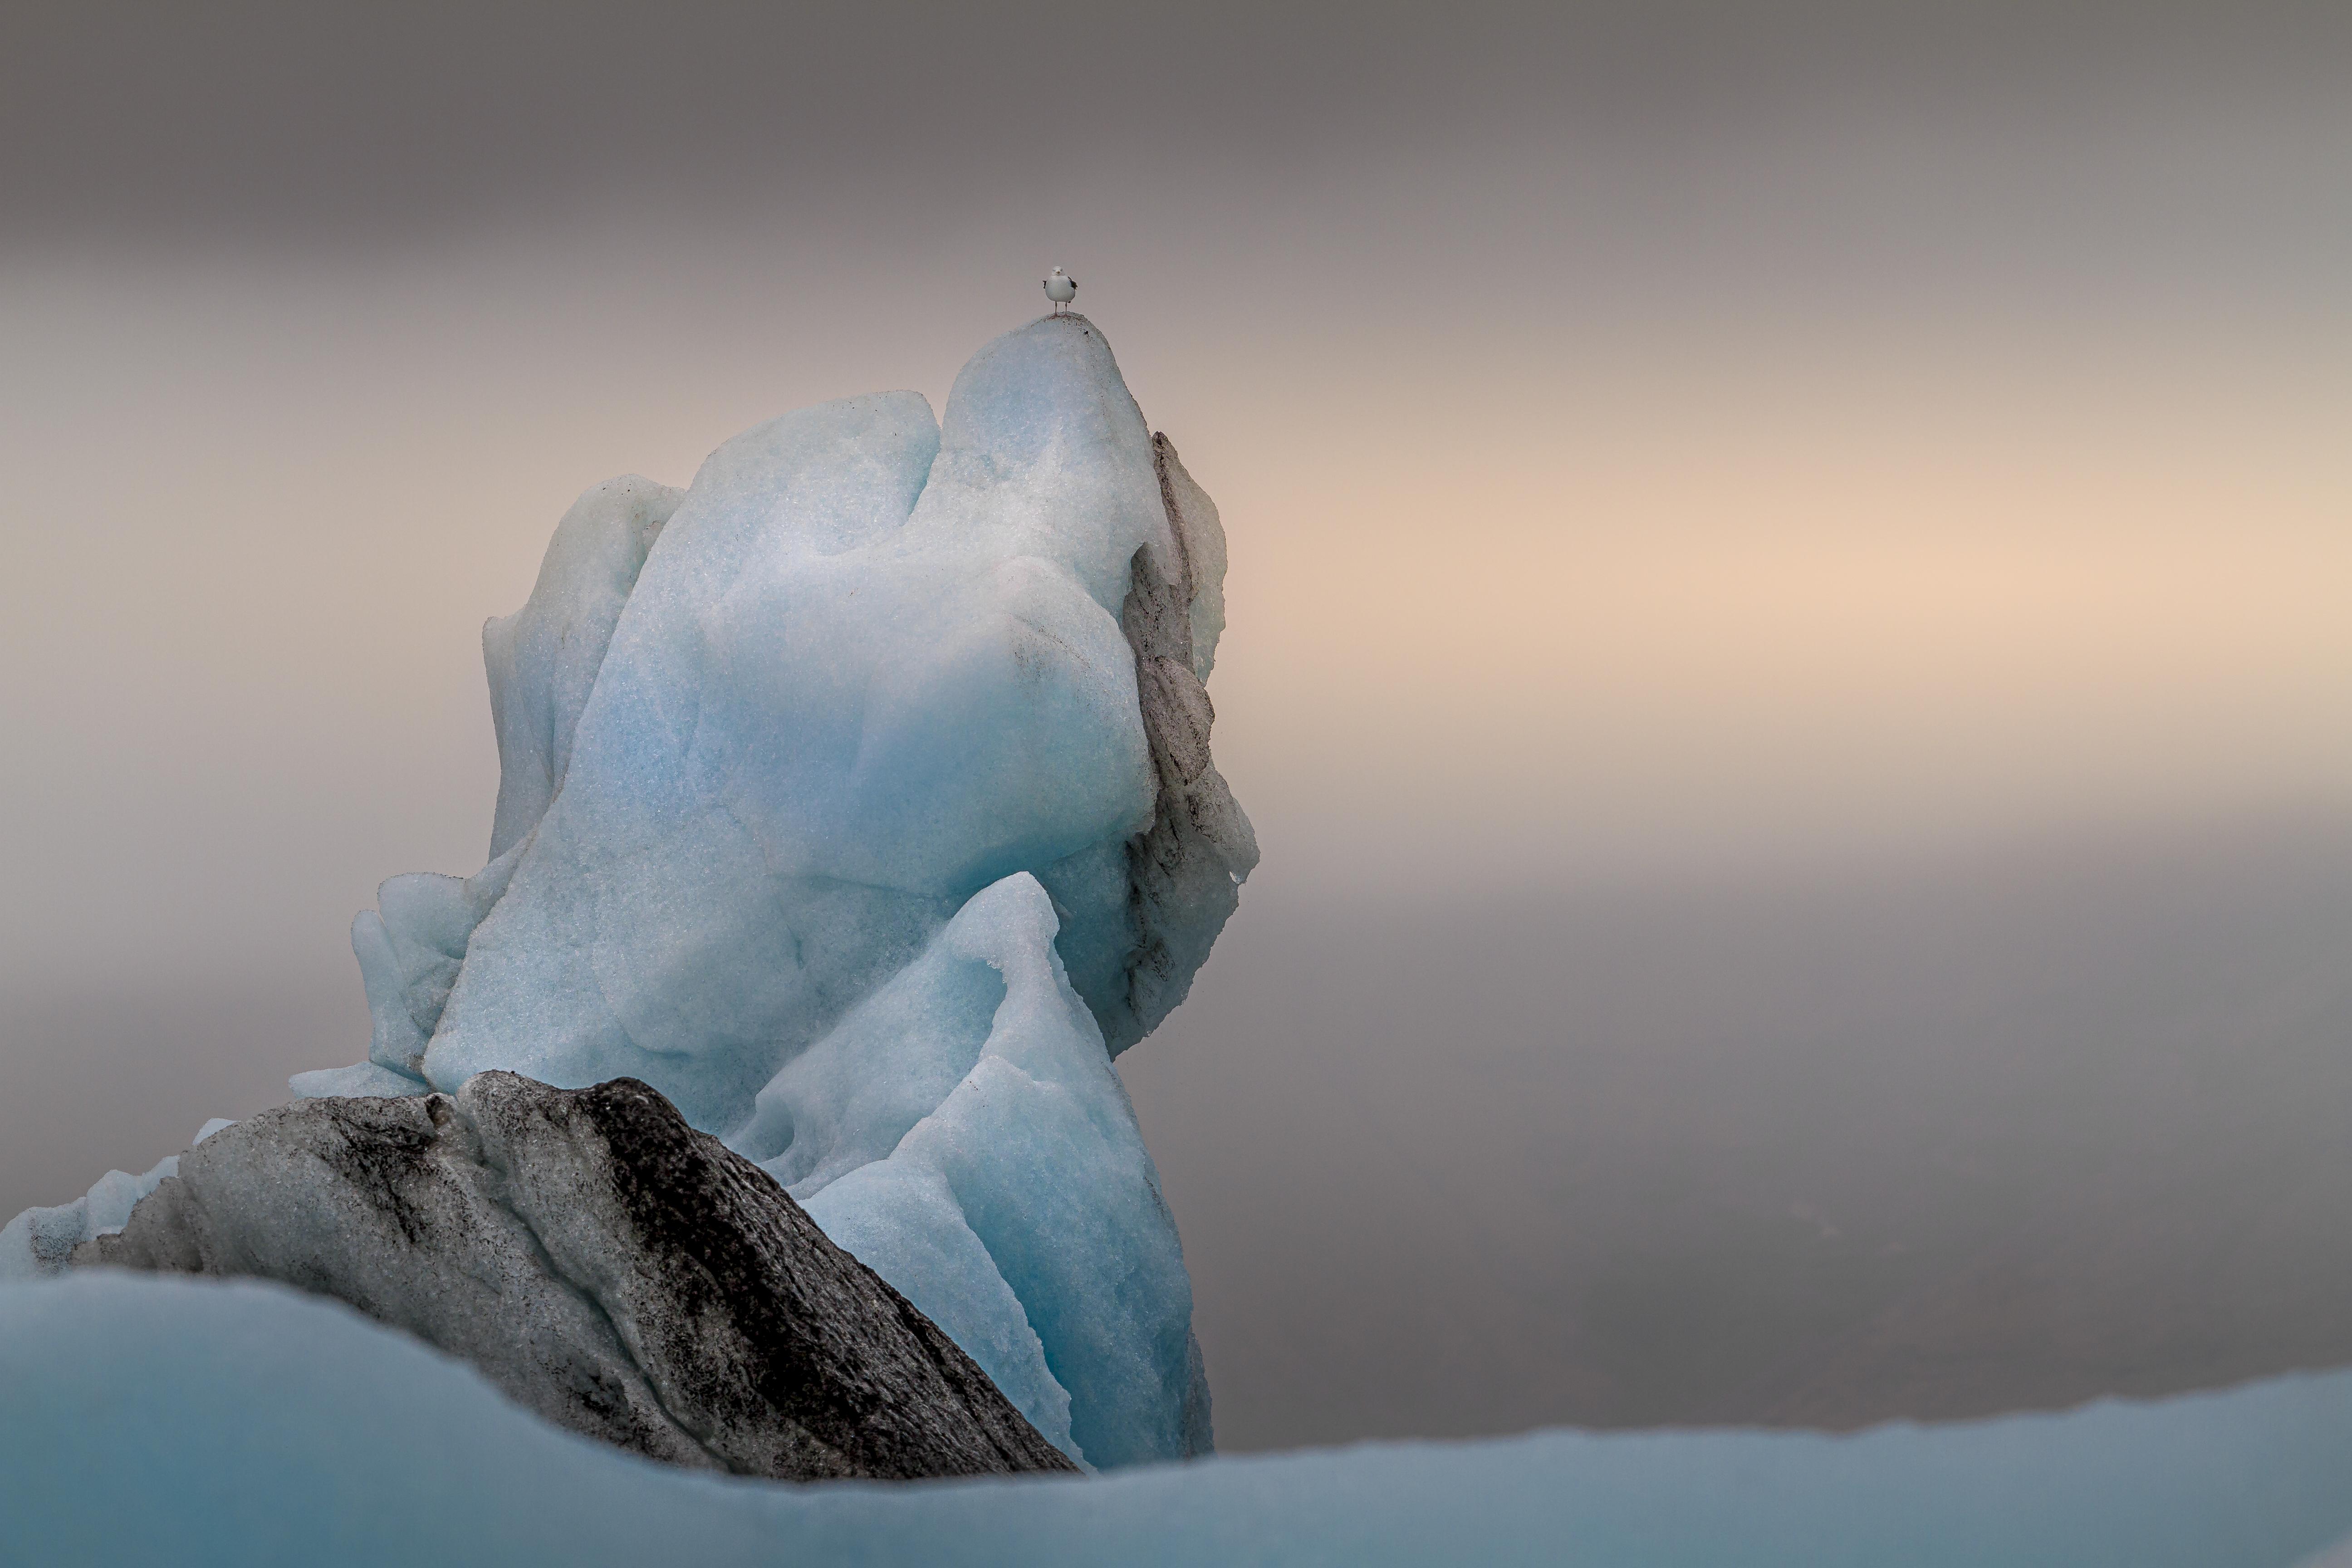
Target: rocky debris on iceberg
603, 1264
858, 800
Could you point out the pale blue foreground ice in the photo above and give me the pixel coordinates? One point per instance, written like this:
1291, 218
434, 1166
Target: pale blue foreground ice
858, 798
160, 1420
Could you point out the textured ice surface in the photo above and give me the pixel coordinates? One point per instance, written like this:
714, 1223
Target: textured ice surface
859, 799
147, 1420
542, 659
962, 1133
868, 669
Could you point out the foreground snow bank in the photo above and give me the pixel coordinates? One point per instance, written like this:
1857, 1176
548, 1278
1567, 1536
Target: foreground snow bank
158, 1420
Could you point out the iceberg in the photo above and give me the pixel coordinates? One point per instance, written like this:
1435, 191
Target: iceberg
760, 741
858, 799
194, 1422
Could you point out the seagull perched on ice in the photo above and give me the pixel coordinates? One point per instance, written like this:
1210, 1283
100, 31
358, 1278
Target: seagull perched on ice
1061, 288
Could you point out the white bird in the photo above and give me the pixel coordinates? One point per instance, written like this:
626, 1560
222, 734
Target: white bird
1061, 288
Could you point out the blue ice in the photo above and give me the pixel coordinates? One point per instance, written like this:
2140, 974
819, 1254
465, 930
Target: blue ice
156, 1420
825, 789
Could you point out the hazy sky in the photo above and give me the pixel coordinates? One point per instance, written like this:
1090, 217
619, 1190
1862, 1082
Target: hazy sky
1656, 441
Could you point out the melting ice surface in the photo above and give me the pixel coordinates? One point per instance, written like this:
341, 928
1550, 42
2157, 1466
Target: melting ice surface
149, 1420
858, 798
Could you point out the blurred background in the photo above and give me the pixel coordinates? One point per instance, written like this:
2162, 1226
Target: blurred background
1791, 616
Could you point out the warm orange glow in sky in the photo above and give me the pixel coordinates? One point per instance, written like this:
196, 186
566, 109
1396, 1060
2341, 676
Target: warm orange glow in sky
1819, 616
1500, 613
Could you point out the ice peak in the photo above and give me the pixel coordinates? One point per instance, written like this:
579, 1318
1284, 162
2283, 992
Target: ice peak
862, 789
